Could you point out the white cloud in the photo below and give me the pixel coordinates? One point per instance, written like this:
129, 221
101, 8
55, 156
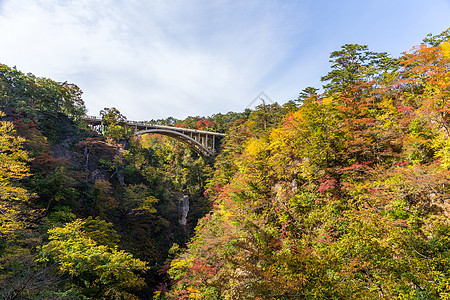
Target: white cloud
154, 59
172, 58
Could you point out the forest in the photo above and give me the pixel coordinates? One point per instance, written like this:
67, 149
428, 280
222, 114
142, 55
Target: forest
342, 193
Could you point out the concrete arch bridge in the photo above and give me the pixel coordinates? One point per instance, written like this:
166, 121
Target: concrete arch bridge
203, 142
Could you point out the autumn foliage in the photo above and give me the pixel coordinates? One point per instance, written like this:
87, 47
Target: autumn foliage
347, 198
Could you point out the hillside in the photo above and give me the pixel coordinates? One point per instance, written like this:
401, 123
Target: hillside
342, 194
346, 198
82, 216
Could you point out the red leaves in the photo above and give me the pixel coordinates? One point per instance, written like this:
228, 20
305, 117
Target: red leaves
401, 163
204, 124
404, 109
327, 183
202, 267
290, 121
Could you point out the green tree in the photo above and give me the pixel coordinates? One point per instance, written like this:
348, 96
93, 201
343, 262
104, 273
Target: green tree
27, 93
138, 197
355, 63
97, 270
114, 123
436, 40
305, 94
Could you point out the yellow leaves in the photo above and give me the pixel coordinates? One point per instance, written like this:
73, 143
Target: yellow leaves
389, 112
78, 255
226, 213
12, 168
148, 204
441, 144
12, 156
445, 49
182, 263
180, 266
327, 100
255, 147
194, 293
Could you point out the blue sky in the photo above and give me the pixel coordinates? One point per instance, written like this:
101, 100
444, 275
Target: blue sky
159, 58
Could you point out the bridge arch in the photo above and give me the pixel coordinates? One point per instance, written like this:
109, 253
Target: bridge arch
203, 142
187, 140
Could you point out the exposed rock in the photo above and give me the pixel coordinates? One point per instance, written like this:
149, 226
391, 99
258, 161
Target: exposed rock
63, 150
96, 175
183, 209
294, 186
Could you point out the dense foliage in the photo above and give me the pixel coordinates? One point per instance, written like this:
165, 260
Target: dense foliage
346, 198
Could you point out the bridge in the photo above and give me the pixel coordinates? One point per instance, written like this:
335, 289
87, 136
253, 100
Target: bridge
202, 142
